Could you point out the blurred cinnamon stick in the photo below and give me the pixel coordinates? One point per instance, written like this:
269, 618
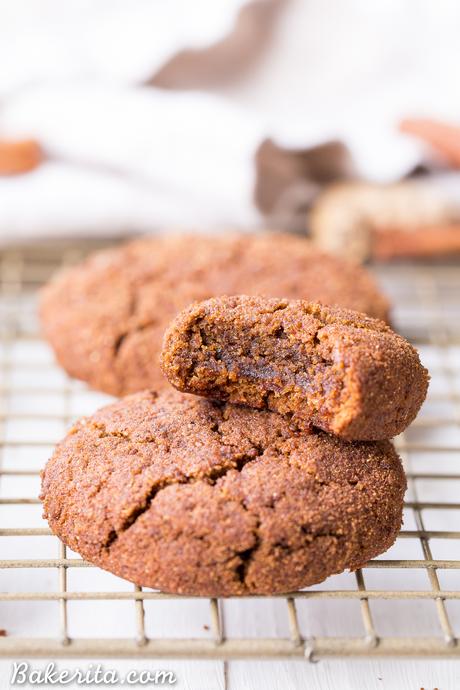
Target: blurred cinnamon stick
443, 138
19, 156
434, 241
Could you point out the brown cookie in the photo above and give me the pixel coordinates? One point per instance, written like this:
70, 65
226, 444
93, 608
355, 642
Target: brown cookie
337, 369
196, 497
106, 317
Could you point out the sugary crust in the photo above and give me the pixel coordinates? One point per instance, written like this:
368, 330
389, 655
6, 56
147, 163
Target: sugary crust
189, 496
334, 368
106, 317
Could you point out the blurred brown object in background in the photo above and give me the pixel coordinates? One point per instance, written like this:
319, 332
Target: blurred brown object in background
437, 240
412, 218
19, 156
288, 180
443, 138
229, 58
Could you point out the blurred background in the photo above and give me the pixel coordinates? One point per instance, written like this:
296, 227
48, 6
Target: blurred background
340, 120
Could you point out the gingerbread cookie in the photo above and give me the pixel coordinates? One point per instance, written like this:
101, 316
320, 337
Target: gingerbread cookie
202, 498
340, 370
106, 317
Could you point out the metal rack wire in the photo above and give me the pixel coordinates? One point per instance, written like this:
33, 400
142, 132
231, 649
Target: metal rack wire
428, 313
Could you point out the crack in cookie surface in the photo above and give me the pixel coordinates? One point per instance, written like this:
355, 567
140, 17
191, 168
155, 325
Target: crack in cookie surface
196, 497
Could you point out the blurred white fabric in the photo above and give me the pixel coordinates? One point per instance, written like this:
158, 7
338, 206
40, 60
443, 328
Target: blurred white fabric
352, 69
120, 40
125, 157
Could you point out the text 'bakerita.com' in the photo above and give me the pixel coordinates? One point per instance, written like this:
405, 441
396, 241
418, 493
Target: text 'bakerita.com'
23, 673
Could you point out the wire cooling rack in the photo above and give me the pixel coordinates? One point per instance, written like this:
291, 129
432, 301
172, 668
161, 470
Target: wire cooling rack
53, 604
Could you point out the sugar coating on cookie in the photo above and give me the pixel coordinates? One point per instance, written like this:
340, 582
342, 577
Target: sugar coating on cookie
195, 497
340, 370
106, 317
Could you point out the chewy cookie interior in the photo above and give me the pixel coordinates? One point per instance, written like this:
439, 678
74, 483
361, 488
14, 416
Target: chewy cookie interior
339, 370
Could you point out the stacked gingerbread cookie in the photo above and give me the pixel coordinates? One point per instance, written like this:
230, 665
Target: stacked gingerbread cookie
271, 468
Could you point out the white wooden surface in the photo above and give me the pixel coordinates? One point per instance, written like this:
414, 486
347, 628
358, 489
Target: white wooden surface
282, 675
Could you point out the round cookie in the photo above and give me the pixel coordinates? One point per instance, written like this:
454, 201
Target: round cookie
195, 497
337, 369
106, 317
